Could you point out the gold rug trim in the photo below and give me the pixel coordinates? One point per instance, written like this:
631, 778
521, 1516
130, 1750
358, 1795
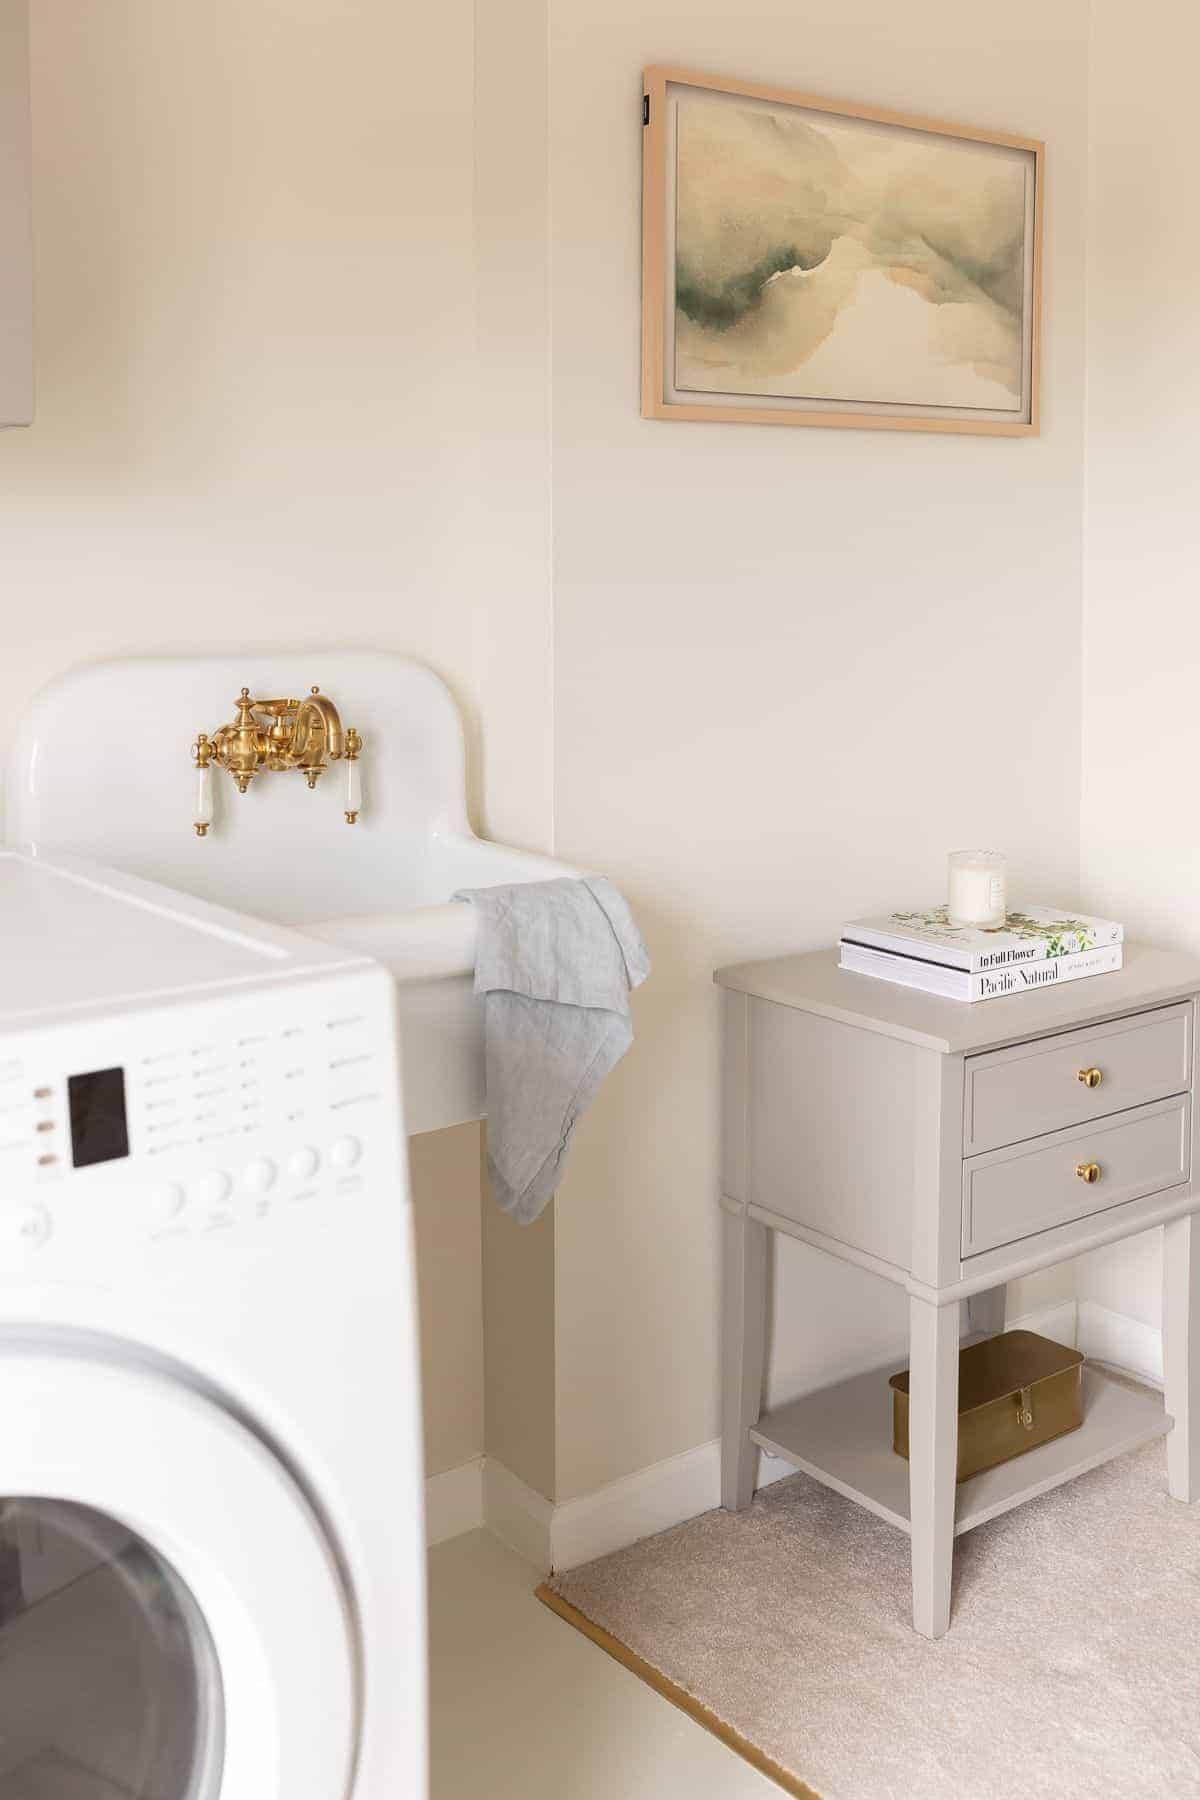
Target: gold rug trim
678, 1696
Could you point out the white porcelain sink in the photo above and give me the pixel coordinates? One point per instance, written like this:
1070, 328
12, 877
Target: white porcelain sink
101, 768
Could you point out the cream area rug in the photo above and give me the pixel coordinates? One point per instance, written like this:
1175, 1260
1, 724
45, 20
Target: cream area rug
1071, 1669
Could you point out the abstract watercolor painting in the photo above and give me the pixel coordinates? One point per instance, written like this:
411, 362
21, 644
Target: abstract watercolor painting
817, 263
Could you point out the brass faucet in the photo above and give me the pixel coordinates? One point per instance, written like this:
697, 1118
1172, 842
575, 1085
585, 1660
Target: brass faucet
302, 734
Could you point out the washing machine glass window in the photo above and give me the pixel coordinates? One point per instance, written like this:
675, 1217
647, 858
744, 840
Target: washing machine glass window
110, 1687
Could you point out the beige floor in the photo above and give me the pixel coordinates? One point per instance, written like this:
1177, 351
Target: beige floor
524, 1708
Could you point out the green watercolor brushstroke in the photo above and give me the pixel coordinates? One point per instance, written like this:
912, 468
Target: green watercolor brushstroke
1001, 278
721, 306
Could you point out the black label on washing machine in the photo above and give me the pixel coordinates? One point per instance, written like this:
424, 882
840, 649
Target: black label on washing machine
99, 1127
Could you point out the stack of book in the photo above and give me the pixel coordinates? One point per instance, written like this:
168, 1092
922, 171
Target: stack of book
1033, 949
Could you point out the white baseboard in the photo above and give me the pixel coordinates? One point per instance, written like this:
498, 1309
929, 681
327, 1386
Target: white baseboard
1126, 1343
1060, 1322
520, 1516
649, 1501
484, 1492
681, 1487
454, 1502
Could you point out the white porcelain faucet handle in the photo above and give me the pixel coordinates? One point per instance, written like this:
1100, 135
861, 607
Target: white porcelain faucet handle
202, 810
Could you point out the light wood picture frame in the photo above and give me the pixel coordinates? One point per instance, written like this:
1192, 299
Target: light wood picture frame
816, 262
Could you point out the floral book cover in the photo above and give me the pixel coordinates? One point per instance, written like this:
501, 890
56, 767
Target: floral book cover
1030, 935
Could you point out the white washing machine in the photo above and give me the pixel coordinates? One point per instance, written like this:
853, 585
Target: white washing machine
211, 1543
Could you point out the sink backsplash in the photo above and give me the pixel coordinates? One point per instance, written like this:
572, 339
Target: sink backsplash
101, 766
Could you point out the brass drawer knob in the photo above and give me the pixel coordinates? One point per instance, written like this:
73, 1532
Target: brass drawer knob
1088, 1172
1090, 1078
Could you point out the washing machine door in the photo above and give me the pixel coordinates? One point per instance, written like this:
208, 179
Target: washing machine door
173, 1621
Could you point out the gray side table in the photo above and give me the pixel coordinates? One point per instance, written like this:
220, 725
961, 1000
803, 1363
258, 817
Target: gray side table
951, 1148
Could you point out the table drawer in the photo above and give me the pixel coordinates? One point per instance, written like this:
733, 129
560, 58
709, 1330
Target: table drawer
1019, 1093
1016, 1192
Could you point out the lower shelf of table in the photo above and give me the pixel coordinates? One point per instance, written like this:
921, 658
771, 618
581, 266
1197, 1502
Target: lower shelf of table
842, 1435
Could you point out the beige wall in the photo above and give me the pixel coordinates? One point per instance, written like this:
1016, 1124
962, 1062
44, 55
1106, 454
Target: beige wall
1140, 844
255, 292
516, 635
255, 317
519, 1345
512, 411
444, 1167
792, 669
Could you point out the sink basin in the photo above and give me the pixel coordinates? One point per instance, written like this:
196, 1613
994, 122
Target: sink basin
100, 768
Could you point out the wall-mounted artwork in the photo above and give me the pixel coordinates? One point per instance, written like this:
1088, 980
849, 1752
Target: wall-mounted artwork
813, 263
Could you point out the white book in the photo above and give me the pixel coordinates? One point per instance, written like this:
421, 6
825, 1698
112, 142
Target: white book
1034, 935
987, 984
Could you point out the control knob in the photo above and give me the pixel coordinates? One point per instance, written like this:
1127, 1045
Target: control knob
345, 1152
258, 1177
210, 1189
165, 1203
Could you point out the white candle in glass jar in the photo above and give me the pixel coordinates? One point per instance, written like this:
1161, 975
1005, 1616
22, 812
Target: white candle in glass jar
977, 893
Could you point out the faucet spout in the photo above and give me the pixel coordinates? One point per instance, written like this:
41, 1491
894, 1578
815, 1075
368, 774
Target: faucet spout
317, 732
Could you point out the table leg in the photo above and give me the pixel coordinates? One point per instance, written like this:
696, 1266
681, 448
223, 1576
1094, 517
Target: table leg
1181, 1354
744, 1330
933, 1458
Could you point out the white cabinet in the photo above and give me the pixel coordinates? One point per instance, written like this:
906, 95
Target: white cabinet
16, 221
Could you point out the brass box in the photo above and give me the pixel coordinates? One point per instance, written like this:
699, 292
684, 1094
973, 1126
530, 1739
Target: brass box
1015, 1391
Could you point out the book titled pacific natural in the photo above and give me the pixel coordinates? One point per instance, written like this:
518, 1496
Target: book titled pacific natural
1039, 947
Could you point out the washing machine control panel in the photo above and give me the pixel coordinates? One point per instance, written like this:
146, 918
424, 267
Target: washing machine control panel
228, 1117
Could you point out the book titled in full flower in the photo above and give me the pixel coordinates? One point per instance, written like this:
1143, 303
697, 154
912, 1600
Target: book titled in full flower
1038, 934
987, 984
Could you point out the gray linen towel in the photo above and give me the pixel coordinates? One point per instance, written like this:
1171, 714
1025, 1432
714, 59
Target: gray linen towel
555, 961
